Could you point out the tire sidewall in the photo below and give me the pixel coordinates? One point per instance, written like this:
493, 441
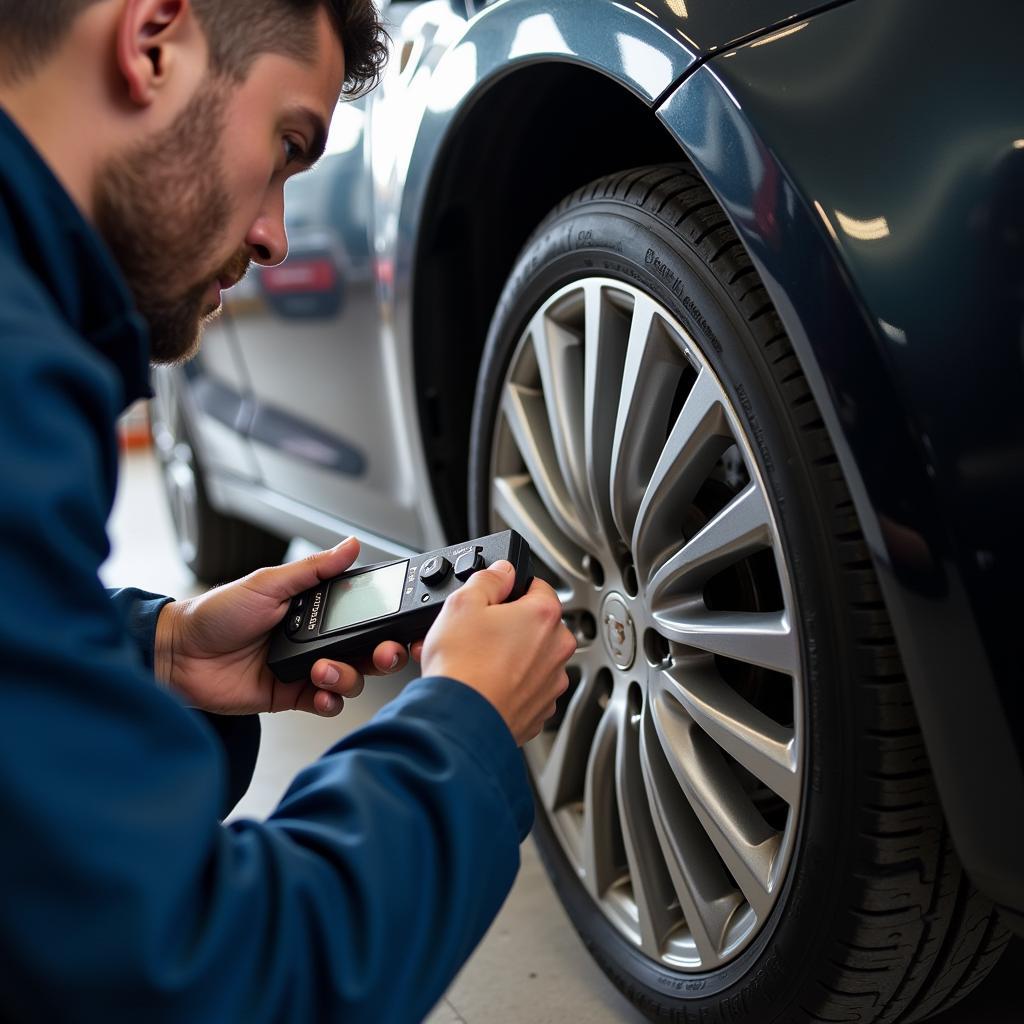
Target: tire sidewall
618, 241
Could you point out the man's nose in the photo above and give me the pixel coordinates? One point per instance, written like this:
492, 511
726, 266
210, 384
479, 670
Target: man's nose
267, 238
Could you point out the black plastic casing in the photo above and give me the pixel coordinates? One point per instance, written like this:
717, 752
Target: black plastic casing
291, 658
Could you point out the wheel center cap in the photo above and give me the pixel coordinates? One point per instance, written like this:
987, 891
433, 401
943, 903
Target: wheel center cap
618, 631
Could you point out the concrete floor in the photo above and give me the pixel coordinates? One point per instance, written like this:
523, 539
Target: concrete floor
531, 966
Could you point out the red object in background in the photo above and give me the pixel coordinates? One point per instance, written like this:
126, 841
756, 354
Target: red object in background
133, 429
385, 271
300, 275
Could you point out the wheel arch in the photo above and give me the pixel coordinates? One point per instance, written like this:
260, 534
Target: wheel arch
483, 203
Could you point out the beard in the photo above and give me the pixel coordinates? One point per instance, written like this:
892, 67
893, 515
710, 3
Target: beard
162, 208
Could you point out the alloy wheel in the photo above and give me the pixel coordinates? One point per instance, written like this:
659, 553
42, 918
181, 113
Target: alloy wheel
672, 772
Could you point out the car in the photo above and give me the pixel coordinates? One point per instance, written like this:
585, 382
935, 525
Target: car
720, 305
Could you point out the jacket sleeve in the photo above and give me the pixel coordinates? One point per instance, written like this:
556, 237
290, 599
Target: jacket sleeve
239, 735
139, 611
125, 899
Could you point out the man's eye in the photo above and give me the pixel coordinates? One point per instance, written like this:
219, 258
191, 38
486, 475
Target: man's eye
292, 151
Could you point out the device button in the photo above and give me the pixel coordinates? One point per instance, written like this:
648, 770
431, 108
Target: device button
296, 615
434, 571
468, 563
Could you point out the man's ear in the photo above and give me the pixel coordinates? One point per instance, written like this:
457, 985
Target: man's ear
149, 34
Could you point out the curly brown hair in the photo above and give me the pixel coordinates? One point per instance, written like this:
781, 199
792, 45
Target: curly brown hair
32, 32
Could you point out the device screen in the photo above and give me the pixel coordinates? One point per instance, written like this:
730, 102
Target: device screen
368, 595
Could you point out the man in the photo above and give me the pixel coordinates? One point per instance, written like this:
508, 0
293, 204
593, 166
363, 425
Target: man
144, 147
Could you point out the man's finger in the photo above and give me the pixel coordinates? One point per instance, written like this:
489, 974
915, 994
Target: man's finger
327, 705
491, 585
540, 592
314, 701
389, 657
283, 582
416, 650
337, 677
540, 588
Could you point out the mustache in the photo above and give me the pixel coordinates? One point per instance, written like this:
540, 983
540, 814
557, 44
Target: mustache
235, 268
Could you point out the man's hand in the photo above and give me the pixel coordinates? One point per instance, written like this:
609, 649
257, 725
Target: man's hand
513, 654
212, 650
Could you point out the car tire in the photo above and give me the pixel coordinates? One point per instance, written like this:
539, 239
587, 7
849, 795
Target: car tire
216, 547
871, 916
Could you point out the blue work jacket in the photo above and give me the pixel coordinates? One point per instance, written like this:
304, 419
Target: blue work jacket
124, 897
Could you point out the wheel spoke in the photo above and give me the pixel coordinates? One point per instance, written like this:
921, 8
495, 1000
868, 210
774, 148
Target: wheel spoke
740, 835
525, 412
599, 818
766, 749
758, 638
706, 896
606, 335
559, 353
740, 529
564, 774
650, 375
698, 437
652, 886
515, 500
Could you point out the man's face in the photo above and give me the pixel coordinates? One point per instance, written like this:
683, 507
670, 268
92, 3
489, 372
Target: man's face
185, 211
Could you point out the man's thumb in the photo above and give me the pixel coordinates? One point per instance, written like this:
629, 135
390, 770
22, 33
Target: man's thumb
494, 583
283, 582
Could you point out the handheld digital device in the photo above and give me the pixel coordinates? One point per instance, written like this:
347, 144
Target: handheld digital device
347, 617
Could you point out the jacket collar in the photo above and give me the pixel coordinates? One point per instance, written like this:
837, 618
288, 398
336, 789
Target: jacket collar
67, 256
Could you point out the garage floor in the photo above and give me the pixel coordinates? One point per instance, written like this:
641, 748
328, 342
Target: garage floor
531, 967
